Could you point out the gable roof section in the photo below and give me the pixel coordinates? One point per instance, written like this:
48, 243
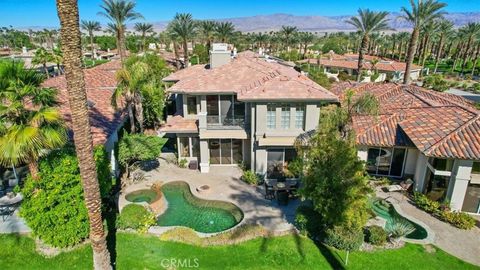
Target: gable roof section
100, 83
438, 124
252, 78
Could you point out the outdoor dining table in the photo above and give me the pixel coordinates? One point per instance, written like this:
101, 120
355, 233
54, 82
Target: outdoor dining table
287, 185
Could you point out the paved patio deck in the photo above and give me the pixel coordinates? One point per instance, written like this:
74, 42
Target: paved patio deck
13, 224
225, 184
464, 244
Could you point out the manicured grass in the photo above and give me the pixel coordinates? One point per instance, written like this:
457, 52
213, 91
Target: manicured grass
287, 252
18, 252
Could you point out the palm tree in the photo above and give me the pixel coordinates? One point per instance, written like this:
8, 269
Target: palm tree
90, 27
119, 12
131, 79
422, 12
27, 132
42, 57
305, 39
71, 46
367, 23
429, 29
470, 32
57, 58
207, 31
144, 29
445, 29
288, 33
183, 26
225, 31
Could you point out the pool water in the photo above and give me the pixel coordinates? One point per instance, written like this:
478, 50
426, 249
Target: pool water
143, 195
206, 216
390, 215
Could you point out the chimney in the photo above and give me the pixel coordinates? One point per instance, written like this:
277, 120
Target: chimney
219, 55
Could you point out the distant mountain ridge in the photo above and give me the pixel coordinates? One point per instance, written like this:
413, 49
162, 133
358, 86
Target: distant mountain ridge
273, 22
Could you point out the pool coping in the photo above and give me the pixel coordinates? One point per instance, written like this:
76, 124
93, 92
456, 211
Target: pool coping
158, 230
430, 233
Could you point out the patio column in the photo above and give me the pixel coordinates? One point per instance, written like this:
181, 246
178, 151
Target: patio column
460, 178
420, 172
204, 156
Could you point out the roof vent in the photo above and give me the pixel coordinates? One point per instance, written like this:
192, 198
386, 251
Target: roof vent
90, 104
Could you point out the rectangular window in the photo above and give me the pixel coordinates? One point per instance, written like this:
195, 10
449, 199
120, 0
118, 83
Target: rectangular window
386, 161
278, 160
192, 105
285, 117
442, 164
299, 116
184, 147
271, 116
476, 168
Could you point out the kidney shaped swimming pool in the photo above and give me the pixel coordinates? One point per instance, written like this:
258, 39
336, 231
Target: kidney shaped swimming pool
206, 216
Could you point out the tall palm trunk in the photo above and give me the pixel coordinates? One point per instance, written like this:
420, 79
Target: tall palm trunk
91, 46
439, 52
185, 52
411, 54
71, 47
477, 54
131, 115
425, 50
458, 53
33, 169
138, 109
362, 52
175, 50
466, 55
46, 69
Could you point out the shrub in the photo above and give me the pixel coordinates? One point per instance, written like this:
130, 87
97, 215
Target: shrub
53, 205
458, 219
344, 238
468, 77
250, 177
436, 82
306, 218
375, 235
343, 76
476, 87
301, 223
135, 216
400, 228
424, 203
183, 163
374, 77
139, 147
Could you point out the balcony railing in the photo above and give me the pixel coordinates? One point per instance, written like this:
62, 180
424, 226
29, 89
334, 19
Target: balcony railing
215, 122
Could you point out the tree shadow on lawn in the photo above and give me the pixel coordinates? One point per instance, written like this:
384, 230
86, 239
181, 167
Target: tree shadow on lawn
330, 256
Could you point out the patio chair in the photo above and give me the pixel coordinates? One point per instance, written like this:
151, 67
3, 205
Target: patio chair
403, 186
282, 197
7, 211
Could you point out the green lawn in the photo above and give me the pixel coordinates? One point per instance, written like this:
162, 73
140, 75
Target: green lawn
287, 252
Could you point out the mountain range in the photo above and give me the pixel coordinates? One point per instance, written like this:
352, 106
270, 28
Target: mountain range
273, 22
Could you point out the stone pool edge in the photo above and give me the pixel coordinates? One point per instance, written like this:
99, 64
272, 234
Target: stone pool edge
430, 233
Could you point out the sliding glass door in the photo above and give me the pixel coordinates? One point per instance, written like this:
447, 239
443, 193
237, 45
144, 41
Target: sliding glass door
212, 109
225, 110
225, 151
386, 161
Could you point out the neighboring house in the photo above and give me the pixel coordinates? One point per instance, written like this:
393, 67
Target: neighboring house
242, 108
105, 121
432, 137
335, 63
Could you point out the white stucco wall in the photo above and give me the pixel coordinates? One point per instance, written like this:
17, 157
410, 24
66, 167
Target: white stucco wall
420, 172
461, 174
411, 161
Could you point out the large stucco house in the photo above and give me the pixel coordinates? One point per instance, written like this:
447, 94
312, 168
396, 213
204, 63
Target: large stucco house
250, 109
242, 108
430, 137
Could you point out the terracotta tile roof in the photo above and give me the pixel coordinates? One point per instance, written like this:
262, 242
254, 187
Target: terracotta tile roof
251, 78
100, 82
178, 124
350, 61
438, 124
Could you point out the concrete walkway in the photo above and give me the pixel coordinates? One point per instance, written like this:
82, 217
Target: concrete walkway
13, 224
225, 184
464, 244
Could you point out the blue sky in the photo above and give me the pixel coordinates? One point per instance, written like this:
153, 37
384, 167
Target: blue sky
26, 13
